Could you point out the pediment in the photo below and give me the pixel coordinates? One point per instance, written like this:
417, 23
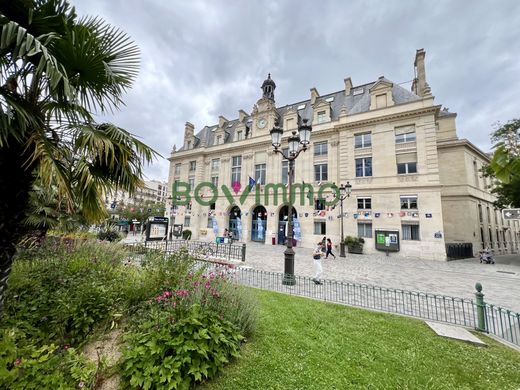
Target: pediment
381, 85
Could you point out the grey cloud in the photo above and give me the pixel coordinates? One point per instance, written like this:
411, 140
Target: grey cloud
201, 59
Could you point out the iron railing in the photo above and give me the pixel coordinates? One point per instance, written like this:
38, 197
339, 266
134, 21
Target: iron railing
202, 250
500, 322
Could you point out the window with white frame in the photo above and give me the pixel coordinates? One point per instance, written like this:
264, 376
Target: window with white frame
215, 164
219, 139
364, 229
321, 117
214, 180
239, 135
364, 167
408, 202
177, 169
211, 212
406, 163
321, 172
260, 173
320, 148
404, 134
191, 183
363, 140
187, 221
320, 227
364, 203
236, 169
319, 204
193, 166
410, 232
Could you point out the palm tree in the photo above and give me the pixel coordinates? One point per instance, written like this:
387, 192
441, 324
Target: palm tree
56, 72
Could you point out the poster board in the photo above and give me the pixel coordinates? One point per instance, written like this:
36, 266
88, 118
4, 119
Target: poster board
157, 229
387, 240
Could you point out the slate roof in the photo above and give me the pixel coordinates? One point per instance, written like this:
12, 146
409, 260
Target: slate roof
355, 103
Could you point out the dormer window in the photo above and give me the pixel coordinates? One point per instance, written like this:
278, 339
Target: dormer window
321, 117
188, 146
219, 139
239, 136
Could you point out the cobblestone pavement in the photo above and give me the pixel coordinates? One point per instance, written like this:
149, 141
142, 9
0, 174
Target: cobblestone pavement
501, 281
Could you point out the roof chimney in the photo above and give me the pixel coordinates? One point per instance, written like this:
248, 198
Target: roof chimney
314, 94
419, 85
348, 85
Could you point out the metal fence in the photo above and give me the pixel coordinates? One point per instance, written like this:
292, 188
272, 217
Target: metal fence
500, 322
203, 250
459, 250
495, 320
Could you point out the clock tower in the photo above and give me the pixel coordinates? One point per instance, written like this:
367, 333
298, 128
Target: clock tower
264, 112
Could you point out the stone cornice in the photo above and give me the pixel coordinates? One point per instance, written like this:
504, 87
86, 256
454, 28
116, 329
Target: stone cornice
389, 117
462, 143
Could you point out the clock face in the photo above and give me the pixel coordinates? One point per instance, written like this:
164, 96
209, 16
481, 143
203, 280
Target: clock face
262, 123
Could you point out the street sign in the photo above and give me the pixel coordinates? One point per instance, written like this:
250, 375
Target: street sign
511, 213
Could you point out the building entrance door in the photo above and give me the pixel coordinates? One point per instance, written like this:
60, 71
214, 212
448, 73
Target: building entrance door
281, 232
259, 224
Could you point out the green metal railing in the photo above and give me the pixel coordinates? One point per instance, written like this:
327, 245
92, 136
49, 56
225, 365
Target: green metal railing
477, 314
203, 250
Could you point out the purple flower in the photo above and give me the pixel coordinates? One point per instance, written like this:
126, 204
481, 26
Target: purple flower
81, 384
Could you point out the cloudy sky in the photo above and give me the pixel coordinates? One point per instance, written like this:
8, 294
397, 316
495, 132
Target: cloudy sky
201, 59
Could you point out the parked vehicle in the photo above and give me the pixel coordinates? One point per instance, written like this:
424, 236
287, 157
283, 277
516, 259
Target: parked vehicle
486, 256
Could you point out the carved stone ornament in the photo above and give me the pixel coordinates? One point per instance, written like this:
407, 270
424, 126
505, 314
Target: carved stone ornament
224, 159
334, 143
247, 157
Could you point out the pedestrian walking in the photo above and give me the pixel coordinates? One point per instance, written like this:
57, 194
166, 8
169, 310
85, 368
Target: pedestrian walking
324, 244
329, 249
316, 255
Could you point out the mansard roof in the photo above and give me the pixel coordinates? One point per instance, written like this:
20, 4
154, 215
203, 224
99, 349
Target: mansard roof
356, 102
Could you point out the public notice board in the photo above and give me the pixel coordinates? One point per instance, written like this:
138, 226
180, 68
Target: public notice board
387, 240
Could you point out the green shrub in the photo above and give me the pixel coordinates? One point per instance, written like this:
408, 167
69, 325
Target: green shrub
174, 350
109, 235
352, 241
186, 234
25, 366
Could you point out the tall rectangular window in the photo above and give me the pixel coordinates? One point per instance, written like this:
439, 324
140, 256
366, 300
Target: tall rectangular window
214, 181
404, 134
260, 173
320, 172
191, 183
480, 218
320, 227
215, 164
285, 167
193, 166
364, 229
406, 163
408, 202
410, 232
364, 167
381, 100
364, 203
363, 140
211, 212
475, 174
321, 117
320, 148
177, 169
239, 136
187, 221
236, 169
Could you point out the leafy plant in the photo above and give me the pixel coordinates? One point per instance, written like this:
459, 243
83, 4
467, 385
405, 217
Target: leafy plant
351, 241
109, 235
168, 352
186, 234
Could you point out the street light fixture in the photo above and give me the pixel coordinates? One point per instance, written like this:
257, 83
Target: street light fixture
297, 144
344, 192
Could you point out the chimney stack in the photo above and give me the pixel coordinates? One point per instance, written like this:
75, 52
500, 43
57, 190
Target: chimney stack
348, 85
419, 85
314, 95
222, 121
242, 115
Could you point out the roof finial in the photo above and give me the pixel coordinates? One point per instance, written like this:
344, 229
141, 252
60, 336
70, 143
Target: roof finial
268, 87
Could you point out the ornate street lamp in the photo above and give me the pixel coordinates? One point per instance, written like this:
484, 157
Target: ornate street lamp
344, 192
297, 144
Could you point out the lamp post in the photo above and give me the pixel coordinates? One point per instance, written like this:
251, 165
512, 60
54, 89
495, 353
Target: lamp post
344, 192
297, 144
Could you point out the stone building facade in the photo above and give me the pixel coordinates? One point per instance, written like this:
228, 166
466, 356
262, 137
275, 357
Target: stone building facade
399, 150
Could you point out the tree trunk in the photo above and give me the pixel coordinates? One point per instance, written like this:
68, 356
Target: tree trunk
15, 184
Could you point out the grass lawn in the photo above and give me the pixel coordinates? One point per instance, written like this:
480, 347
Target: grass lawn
306, 344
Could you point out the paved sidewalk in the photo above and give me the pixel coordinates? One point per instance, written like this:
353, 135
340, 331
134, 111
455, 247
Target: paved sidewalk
501, 281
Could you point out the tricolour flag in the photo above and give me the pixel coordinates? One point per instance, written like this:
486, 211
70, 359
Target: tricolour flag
252, 183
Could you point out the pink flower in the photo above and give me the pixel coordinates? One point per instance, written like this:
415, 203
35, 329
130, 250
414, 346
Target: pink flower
81, 384
17, 362
207, 285
212, 275
66, 346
